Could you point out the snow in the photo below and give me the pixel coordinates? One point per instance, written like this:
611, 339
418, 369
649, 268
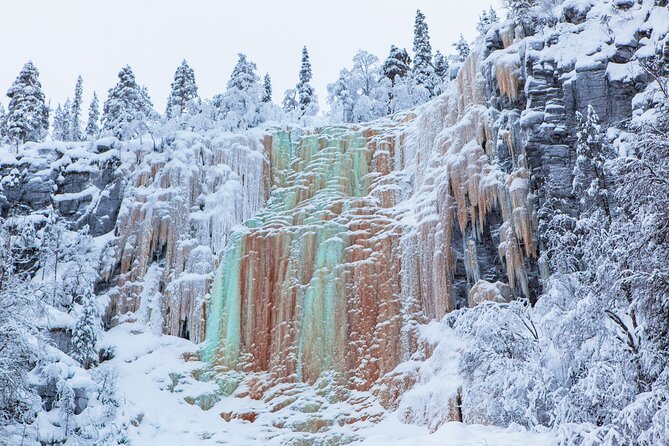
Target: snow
154, 379
391, 432
623, 72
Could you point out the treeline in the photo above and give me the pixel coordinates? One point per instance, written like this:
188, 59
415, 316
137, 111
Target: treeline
368, 90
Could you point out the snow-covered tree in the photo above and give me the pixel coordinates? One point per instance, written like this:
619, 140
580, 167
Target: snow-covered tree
62, 122
521, 12
306, 97
75, 112
3, 122
589, 185
28, 114
267, 89
239, 107
85, 332
397, 64
183, 96
486, 20
58, 130
65, 406
423, 71
341, 98
359, 95
20, 339
126, 105
289, 102
462, 48
93, 126
441, 66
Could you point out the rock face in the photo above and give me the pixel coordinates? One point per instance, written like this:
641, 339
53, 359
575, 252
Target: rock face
83, 183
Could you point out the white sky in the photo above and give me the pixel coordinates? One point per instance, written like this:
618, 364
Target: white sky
94, 38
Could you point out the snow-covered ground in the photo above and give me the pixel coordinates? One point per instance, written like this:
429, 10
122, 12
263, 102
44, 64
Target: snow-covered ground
155, 377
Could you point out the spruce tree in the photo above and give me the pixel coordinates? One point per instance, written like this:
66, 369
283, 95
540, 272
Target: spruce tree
423, 71
486, 20
243, 76
441, 66
289, 102
520, 11
3, 122
239, 106
267, 89
461, 48
127, 102
28, 114
305, 92
589, 184
67, 120
75, 112
85, 333
93, 126
58, 132
184, 90
398, 64
62, 122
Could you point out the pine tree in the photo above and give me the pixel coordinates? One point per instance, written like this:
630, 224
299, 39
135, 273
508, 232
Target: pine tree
75, 126
462, 48
441, 66
267, 89
398, 64
92, 126
486, 20
520, 11
58, 132
67, 120
239, 106
85, 333
289, 102
589, 184
28, 114
62, 121
423, 71
305, 92
127, 102
184, 90
3, 122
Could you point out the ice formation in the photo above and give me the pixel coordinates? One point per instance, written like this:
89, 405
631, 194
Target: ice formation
367, 233
179, 213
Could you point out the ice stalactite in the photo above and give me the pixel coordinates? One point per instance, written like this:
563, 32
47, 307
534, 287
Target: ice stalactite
507, 73
458, 184
183, 204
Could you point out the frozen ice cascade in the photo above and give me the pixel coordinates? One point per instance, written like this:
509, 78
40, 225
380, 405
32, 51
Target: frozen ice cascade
369, 233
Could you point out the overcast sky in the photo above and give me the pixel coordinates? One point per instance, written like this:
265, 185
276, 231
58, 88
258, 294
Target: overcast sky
94, 38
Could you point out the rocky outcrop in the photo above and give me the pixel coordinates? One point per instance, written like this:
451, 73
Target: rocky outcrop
83, 183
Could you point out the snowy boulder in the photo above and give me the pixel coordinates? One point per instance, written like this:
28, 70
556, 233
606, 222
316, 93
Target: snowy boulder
483, 291
624, 4
576, 11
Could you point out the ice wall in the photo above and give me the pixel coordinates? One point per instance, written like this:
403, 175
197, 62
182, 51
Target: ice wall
181, 206
368, 232
311, 283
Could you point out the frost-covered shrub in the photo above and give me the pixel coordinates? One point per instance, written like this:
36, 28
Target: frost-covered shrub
502, 367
